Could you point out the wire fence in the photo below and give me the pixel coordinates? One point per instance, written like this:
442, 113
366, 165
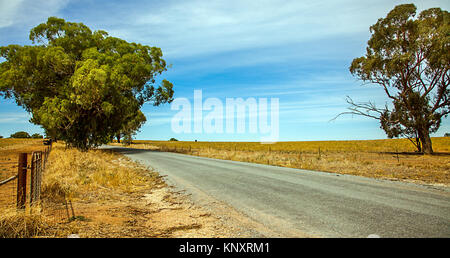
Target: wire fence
21, 187
8, 184
58, 211
21, 179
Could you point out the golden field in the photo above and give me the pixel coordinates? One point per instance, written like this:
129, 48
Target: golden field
392, 159
10, 149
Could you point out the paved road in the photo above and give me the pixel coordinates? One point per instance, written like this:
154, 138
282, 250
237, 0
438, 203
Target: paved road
291, 201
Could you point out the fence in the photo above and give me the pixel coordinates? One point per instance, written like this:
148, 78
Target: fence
17, 194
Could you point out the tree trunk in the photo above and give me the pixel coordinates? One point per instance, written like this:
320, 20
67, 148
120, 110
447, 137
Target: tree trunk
425, 139
118, 138
418, 144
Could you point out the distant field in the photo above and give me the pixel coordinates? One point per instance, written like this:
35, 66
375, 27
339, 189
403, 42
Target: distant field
12, 143
9, 153
440, 144
390, 159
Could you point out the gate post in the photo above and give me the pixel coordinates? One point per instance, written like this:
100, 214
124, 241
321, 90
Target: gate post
22, 181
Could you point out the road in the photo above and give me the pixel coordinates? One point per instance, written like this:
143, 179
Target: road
296, 203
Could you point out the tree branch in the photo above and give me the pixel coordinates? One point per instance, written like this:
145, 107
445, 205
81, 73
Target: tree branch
361, 109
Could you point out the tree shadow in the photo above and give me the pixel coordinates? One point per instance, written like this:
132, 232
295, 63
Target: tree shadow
415, 153
125, 150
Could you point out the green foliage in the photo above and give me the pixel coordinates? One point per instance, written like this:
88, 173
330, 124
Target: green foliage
81, 86
36, 136
410, 58
173, 140
127, 139
20, 134
132, 126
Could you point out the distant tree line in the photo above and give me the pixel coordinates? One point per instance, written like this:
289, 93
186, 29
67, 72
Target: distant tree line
22, 134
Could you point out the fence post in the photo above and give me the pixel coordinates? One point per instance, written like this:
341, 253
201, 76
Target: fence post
33, 178
39, 177
22, 181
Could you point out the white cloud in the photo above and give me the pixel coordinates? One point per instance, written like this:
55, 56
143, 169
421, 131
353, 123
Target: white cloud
200, 27
14, 117
28, 12
186, 28
8, 11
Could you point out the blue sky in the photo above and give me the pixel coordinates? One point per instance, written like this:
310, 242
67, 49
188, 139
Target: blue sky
297, 51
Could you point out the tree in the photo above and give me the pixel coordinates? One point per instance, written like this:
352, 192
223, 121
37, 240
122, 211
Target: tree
20, 134
173, 140
410, 59
131, 128
36, 136
81, 86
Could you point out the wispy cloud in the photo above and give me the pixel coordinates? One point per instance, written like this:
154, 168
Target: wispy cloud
190, 28
8, 11
297, 51
28, 12
14, 117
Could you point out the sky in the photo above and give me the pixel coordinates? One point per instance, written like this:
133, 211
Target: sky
296, 51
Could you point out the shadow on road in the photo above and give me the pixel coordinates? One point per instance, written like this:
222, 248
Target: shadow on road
125, 150
417, 153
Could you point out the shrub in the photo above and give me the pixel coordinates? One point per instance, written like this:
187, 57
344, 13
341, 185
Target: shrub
20, 134
36, 136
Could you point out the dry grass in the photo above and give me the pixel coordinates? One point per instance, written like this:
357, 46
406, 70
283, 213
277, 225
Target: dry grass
392, 159
103, 194
85, 175
14, 223
93, 183
99, 194
112, 196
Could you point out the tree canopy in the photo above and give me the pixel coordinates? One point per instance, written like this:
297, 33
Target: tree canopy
20, 134
36, 136
82, 86
410, 59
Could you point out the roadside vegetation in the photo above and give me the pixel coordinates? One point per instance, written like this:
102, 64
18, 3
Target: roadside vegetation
99, 193
12, 222
393, 159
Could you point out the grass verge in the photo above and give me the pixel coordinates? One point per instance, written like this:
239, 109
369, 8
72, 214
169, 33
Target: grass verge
102, 194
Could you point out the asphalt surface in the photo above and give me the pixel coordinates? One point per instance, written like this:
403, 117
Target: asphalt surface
295, 202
